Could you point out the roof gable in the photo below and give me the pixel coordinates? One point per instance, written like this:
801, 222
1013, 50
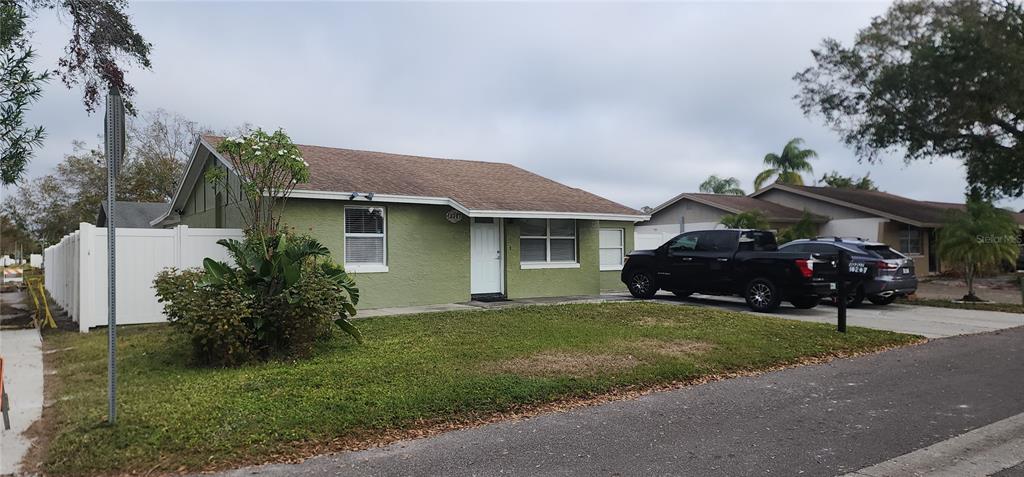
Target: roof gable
735, 204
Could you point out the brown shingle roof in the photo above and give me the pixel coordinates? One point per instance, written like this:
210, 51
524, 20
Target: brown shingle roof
918, 212
476, 185
738, 203
1017, 216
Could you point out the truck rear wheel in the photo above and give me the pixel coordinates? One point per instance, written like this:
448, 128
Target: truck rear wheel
762, 295
641, 285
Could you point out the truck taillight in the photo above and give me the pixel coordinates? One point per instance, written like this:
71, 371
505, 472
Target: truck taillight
805, 266
887, 266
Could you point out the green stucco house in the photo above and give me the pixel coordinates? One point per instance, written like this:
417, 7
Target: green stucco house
420, 231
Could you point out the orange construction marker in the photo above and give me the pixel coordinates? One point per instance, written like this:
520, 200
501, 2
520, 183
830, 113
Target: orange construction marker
5, 406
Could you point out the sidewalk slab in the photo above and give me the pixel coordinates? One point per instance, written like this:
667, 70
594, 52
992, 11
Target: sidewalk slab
983, 451
22, 351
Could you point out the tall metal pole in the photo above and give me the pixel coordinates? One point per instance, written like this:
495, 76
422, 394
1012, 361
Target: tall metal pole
114, 141
843, 272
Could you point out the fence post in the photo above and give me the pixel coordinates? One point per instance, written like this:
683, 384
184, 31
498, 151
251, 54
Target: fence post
180, 236
86, 285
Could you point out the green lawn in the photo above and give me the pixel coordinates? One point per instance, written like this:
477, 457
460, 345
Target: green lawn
413, 372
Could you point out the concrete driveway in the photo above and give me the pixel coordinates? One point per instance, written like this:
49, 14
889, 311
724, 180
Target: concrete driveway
930, 322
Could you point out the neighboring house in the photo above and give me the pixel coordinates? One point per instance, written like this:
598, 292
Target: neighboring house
907, 225
418, 230
690, 211
132, 214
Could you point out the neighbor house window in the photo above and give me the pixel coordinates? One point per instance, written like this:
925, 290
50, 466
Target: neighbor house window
910, 239
613, 248
365, 239
544, 241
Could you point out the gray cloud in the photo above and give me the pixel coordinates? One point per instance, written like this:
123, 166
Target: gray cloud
635, 102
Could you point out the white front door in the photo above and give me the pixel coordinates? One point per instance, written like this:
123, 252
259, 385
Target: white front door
485, 256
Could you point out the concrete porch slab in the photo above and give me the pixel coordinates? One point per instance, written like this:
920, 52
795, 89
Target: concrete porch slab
553, 300
411, 310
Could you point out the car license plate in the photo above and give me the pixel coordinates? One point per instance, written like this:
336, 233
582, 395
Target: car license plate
831, 286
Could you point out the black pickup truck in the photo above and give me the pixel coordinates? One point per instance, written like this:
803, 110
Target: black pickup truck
730, 262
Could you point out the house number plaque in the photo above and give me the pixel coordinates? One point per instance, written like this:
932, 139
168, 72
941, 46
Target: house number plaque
453, 216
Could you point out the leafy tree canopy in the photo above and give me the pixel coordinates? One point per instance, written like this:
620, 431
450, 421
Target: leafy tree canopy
721, 185
51, 206
20, 87
930, 79
834, 179
103, 43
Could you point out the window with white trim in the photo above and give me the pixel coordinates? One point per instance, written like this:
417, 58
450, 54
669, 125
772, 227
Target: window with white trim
613, 248
910, 239
365, 238
547, 241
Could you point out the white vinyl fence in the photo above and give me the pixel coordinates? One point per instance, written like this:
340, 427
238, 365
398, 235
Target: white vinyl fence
76, 269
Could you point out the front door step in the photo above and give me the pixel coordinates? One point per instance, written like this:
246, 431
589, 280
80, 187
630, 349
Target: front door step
489, 297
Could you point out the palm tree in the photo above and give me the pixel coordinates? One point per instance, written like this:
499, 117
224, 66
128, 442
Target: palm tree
718, 185
976, 239
787, 167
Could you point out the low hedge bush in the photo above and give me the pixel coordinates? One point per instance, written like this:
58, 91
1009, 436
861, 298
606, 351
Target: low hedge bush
264, 306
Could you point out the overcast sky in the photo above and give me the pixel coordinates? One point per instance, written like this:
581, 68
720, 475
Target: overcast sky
635, 102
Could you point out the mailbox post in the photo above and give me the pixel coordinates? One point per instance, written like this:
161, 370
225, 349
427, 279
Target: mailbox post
842, 273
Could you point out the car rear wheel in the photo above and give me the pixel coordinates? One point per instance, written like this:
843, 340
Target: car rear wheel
762, 295
641, 285
882, 300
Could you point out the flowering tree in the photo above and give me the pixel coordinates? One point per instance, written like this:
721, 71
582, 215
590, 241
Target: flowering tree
268, 166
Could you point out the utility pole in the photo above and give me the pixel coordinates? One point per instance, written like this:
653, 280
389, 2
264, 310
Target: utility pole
113, 135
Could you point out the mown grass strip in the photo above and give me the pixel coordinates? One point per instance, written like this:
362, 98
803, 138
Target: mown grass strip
413, 373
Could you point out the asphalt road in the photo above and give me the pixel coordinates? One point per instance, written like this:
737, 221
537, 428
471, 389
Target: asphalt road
813, 420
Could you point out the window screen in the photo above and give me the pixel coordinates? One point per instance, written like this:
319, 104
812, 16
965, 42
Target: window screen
612, 247
364, 236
